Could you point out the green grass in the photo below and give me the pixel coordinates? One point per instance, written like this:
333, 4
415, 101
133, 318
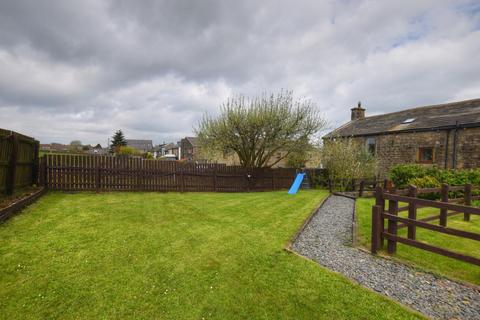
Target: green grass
436, 263
172, 256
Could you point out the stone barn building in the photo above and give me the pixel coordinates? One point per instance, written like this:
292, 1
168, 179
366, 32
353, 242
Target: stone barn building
444, 135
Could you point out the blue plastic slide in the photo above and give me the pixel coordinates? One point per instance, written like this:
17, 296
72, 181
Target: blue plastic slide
296, 184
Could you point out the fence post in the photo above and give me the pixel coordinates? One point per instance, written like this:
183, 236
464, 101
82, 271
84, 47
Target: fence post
380, 201
12, 165
215, 178
182, 181
376, 230
41, 176
362, 187
392, 226
412, 212
273, 179
35, 164
468, 200
97, 175
443, 212
330, 185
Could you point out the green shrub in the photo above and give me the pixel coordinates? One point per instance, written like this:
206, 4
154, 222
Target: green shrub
347, 159
427, 182
130, 151
148, 156
402, 174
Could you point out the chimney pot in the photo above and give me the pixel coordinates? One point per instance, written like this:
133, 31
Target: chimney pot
358, 112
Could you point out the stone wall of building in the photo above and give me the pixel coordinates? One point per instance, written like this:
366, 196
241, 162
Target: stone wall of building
468, 155
403, 148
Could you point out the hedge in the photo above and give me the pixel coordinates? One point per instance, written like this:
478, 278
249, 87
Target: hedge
403, 175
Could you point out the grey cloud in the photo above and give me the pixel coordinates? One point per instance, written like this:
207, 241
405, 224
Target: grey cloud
154, 67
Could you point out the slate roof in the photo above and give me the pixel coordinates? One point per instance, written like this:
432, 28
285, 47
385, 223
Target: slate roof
193, 141
145, 145
434, 117
171, 146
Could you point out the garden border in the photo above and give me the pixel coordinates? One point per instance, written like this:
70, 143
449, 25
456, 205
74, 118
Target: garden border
288, 245
16, 207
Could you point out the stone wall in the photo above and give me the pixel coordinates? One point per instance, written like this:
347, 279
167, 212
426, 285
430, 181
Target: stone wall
402, 148
468, 154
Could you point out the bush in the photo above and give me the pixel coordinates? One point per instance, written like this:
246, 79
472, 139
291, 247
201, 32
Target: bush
402, 174
427, 182
148, 156
346, 159
124, 150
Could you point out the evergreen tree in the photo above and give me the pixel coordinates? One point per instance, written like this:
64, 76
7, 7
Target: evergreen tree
118, 140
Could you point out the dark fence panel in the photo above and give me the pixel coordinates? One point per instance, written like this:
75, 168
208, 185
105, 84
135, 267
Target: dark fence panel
18, 161
117, 173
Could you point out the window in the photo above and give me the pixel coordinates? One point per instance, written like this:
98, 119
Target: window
370, 142
425, 155
409, 120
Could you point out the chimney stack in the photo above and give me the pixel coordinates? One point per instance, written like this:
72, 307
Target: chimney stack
358, 112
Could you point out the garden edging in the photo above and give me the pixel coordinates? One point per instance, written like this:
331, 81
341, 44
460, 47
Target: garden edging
14, 208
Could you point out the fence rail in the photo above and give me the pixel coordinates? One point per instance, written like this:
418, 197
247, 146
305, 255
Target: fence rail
380, 215
18, 161
110, 173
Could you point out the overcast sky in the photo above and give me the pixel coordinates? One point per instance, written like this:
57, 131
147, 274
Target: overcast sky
82, 69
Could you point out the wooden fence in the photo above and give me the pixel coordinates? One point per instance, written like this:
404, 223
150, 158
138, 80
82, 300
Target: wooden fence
353, 187
117, 173
446, 209
18, 161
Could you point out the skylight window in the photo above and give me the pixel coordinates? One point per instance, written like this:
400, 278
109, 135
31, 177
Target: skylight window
409, 120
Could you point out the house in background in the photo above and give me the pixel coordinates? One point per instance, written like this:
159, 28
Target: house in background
173, 149
159, 151
54, 147
98, 150
445, 135
275, 160
140, 145
190, 148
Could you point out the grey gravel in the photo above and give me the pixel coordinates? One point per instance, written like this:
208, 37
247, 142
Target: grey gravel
327, 239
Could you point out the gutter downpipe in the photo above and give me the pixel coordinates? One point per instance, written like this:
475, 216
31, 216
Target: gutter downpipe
446, 148
454, 156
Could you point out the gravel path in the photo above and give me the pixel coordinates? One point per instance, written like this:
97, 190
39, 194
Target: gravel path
327, 239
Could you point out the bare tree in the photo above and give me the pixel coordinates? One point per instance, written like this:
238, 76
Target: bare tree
256, 129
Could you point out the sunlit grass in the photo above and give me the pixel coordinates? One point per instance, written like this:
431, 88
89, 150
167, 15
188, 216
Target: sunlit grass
171, 256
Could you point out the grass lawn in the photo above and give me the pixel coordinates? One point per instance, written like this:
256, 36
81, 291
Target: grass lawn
171, 256
429, 261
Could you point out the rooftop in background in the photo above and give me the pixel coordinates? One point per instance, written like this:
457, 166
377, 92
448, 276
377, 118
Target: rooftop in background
193, 140
463, 113
142, 145
171, 146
